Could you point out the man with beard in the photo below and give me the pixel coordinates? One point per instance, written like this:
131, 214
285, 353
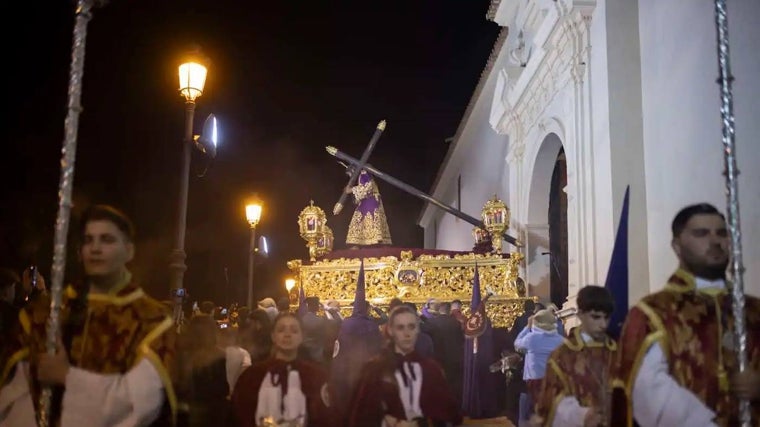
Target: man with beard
677, 364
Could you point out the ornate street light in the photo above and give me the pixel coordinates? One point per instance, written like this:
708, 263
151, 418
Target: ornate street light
192, 79
192, 76
253, 211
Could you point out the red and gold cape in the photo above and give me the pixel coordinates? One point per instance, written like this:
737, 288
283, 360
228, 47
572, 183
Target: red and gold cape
105, 334
577, 369
695, 330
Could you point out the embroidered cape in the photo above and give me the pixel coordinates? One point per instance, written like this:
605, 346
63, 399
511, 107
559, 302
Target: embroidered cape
577, 369
695, 331
104, 334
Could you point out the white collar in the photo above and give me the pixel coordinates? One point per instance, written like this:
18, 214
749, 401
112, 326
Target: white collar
701, 283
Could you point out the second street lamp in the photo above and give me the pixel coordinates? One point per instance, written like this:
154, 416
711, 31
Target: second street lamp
253, 216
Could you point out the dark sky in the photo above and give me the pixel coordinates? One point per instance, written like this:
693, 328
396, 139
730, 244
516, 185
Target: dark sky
286, 79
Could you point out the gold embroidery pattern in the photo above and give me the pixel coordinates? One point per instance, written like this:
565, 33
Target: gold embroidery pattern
688, 324
369, 229
578, 369
119, 331
361, 191
445, 277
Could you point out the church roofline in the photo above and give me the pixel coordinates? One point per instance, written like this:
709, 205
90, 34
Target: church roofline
500, 40
492, 9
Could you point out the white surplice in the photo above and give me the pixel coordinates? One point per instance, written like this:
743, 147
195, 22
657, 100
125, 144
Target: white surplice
133, 399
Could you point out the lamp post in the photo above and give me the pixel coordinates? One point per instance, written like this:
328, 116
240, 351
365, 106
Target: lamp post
192, 78
252, 215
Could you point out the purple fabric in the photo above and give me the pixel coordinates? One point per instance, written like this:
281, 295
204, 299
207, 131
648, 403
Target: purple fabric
426, 313
478, 399
364, 177
358, 325
424, 345
367, 205
370, 203
360, 307
358, 341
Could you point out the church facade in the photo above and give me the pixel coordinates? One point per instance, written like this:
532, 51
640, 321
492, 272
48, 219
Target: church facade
582, 99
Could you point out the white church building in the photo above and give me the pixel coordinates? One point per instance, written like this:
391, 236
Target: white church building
582, 98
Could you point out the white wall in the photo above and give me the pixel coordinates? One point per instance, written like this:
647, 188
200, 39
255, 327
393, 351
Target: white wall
681, 121
479, 160
626, 137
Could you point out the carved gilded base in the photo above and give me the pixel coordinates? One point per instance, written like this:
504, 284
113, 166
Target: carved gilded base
443, 277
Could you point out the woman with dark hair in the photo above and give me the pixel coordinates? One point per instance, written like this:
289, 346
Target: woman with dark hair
284, 390
203, 374
256, 335
399, 387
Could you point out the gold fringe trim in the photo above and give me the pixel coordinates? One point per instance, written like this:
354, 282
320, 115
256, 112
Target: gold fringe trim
553, 410
117, 300
579, 343
561, 375
12, 361
147, 352
658, 336
25, 321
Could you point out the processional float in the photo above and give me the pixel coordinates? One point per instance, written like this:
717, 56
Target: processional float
414, 275
68, 156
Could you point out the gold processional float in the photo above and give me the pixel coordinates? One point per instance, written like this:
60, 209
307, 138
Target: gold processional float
413, 275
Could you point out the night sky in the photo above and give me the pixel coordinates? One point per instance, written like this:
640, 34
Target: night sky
286, 79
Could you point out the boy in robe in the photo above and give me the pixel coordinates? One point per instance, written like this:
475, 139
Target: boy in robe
576, 388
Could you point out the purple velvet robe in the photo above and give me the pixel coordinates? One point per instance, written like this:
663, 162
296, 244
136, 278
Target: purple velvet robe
369, 225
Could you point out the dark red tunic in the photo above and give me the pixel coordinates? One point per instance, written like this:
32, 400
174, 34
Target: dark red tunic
313, 385
378, 393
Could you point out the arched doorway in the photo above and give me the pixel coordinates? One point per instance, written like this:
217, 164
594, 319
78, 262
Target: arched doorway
558, 231
547, 245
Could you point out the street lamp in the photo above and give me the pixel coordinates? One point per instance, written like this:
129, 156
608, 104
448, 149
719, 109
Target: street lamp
253, 215
192, 79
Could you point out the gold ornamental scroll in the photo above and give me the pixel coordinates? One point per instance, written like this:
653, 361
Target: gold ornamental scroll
443, 277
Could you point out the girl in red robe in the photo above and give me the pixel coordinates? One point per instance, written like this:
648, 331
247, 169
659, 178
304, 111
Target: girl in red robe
283, 390
400, 388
